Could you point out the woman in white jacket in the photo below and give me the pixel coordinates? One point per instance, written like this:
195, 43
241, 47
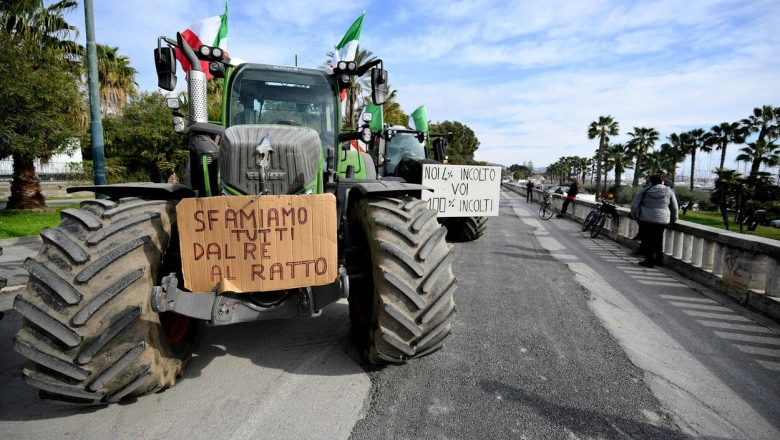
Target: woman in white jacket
654, 207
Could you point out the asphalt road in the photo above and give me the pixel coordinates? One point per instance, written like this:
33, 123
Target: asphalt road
557, 336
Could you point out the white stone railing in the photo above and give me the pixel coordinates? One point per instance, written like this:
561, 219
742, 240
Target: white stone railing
746, 268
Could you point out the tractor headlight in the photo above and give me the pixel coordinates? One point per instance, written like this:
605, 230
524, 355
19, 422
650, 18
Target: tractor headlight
178, 124
216, 52
205, 50
342, 65
344, 80
365, 135
352, 66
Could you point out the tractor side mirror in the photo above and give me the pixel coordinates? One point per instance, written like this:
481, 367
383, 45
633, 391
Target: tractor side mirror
165, 64
378, 86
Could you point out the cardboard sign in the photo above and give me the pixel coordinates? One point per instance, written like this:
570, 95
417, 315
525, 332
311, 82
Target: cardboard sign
462, 190
273, 243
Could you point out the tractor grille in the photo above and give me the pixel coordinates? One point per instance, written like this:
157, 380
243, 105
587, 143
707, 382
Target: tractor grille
293, 165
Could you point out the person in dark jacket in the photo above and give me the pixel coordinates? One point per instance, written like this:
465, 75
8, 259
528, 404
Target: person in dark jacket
654, 207
529, 191
571, 194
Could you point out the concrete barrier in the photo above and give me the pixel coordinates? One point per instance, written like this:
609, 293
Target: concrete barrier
744, 267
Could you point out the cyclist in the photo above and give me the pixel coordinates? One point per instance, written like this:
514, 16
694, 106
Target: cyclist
571, 194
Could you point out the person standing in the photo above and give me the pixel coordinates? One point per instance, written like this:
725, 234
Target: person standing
529, 191
571, 194
654, 207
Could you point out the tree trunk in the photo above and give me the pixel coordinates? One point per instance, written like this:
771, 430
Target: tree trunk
637, 168
25, 186
723, 155
693, 166
598, 168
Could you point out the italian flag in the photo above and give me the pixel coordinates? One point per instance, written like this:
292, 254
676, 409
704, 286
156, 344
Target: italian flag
211, 31
347, 47
419, 120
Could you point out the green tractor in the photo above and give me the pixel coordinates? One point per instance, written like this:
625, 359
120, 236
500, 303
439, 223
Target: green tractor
401, 153
276, 219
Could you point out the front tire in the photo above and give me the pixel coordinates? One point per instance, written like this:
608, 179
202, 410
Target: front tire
588, 221
463, 229
89, 332
597, 227
402, 304
546, 211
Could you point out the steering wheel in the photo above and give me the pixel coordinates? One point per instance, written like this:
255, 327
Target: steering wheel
287, 122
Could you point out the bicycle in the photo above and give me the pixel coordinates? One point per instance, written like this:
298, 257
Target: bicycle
547, 210
598, 218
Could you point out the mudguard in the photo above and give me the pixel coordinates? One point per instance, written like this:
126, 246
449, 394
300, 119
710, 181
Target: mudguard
349, 191
145, 190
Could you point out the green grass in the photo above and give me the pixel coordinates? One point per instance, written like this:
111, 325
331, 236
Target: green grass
714, 220
22, 223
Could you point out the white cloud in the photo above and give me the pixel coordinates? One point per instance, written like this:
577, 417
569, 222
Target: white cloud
528, 77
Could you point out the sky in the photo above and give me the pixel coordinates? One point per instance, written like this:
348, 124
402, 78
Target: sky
528, 77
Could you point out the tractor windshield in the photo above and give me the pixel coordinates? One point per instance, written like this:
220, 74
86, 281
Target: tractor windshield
262, 94
402, 144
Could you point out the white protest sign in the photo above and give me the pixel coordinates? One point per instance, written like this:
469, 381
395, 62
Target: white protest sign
462, 190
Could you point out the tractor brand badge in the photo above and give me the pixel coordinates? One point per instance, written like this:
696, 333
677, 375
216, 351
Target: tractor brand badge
262, 156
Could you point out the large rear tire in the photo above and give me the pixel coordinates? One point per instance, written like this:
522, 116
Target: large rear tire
89, 333
463, 229
402, 306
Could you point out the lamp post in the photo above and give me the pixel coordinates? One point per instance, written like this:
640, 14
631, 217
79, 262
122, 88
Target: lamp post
96, 124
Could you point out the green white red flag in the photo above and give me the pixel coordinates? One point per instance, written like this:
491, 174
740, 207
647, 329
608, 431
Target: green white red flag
210, 31
347, 47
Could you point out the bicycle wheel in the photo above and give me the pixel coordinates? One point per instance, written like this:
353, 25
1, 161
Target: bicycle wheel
588, 221
598, 226
546, 211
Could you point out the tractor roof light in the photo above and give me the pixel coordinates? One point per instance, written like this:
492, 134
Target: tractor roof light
352, 66
216, 52
342, 65
205, 50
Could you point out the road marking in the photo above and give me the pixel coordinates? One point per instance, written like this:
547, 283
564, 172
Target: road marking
714, 308
737, 327
731, 316
749, 338
769, 365
773, 352
661, 283
688, 298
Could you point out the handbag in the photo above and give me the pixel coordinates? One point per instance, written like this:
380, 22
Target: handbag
639, 208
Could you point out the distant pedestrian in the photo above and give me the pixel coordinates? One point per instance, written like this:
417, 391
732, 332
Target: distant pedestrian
529, 191
654, 207
571, 194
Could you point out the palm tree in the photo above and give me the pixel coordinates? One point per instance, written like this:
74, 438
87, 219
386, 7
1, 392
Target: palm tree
116, 78
765, 121
622, 158
760, 153
724, 134
697, 140
603, 128
673, 152
32, 20
643, 139
38, 31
